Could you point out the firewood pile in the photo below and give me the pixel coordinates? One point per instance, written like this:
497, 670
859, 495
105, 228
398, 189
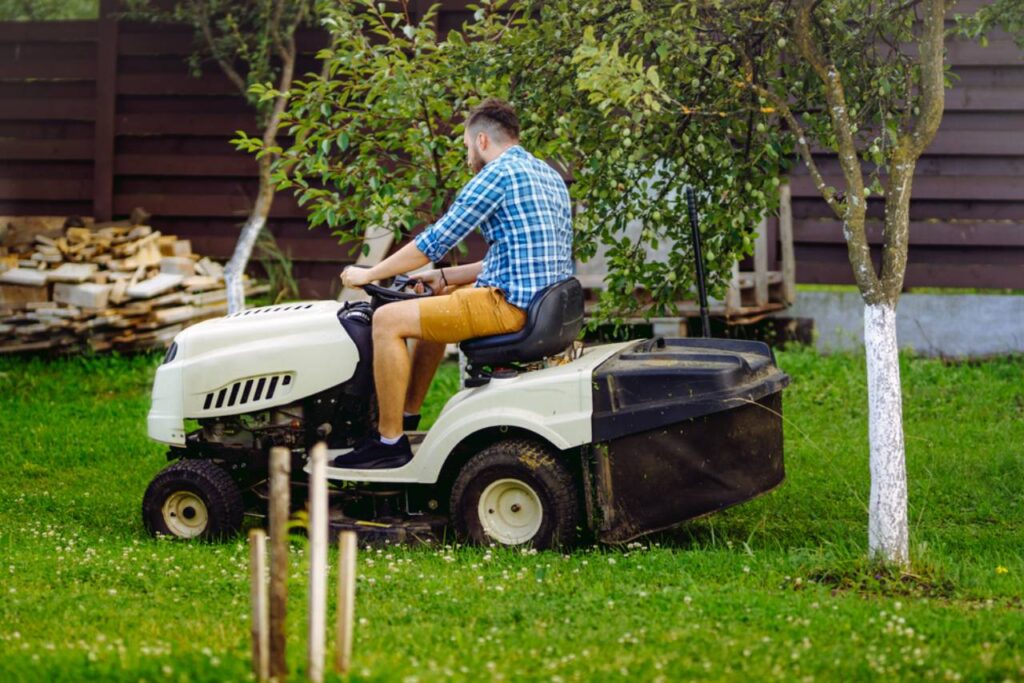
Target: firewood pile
117, 286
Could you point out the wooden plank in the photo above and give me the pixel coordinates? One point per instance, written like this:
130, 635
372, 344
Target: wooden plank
16, 296
175, 84
969, 235
51, 69
178, 165
787, 256
177, 124
236, 206
154, 286
89, 295
32, 188
971, 275
972, 188
761, 264
72, 272
24, 276
46, 150
67, 109
49, 31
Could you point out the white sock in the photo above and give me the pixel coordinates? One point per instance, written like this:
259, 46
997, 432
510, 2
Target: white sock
404, 414
390, 441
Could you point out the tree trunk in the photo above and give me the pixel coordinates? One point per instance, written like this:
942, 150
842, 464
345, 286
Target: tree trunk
888, 534
235, 268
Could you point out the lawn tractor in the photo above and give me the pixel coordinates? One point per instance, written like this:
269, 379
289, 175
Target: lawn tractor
548, 442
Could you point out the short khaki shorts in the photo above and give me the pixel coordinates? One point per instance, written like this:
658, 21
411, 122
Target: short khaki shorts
468, 312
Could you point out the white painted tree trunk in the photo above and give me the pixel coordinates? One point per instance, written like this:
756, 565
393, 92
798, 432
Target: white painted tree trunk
888, 534
235, 268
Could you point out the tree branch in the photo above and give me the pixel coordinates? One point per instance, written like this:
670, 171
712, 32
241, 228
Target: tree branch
855, 203
933, 85
203, 20
803, 147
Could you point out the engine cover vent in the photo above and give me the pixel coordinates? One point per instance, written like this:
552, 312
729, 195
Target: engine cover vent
270, 309
249, 391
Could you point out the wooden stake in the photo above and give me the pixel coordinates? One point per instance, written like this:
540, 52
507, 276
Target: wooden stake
346, 601
280, 485
786, 240
258, 596
317, 561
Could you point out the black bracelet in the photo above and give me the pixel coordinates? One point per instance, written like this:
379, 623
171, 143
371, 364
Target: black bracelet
443, 278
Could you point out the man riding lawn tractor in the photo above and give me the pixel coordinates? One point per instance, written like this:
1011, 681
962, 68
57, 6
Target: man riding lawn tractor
522, 208
544, 442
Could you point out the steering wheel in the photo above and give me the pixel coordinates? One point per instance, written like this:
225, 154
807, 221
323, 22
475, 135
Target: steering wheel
400, 289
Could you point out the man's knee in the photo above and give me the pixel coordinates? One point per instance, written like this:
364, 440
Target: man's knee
397, 320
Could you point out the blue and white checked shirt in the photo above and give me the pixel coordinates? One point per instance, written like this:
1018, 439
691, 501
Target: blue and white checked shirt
522, 208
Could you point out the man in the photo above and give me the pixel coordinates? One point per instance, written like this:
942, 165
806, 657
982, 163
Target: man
521, 206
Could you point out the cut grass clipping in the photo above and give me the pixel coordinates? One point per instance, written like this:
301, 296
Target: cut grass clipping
776, 589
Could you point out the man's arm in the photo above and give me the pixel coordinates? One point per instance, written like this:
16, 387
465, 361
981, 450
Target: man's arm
405, 259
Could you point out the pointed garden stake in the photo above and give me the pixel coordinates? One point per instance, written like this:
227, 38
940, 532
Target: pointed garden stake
317, 562
346, 601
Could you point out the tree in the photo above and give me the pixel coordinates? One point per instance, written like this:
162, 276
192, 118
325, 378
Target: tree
253, 44
864, 80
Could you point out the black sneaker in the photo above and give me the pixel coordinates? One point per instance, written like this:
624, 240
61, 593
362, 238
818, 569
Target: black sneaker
410, 423
374, 455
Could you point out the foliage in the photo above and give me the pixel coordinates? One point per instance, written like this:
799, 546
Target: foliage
775, 589
48, 10
638, 102
378, 135
841, 75
375, 133
1007, 15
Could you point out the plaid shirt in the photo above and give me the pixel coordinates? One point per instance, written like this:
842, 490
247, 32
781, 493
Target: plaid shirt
521, 206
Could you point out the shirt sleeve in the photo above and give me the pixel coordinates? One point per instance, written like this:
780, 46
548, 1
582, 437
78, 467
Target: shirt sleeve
477, 202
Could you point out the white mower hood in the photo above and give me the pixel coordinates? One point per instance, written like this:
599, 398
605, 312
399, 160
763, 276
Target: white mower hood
249, 361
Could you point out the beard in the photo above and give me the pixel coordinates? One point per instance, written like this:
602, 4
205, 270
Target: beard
475, 161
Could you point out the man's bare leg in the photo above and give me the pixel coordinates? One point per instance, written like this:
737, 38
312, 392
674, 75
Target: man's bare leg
392, 325
426, 357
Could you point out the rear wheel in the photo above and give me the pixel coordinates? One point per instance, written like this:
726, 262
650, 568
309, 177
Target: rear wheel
193, 499
516, 492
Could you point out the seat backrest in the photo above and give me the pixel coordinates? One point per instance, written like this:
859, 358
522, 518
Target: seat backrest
553, 321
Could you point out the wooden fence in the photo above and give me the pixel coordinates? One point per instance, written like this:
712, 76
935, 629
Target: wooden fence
98, 117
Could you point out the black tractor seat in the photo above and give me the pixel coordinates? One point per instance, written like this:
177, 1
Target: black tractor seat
553, 321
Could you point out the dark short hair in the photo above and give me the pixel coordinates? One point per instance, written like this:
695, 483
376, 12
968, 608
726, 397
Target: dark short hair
497, 115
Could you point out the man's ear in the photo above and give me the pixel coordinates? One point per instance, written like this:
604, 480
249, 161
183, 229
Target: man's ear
483, 140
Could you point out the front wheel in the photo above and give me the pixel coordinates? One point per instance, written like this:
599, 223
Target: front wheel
193, 499
516, 492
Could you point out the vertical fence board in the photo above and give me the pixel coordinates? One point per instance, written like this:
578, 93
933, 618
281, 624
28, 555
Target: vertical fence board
106, 102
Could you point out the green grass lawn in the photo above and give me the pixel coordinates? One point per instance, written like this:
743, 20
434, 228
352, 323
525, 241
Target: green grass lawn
775, 589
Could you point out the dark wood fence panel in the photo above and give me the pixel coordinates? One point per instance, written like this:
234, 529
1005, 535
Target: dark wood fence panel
968, 206
100, 117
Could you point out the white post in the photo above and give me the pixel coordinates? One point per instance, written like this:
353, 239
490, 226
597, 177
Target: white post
317, 561
888, 533
346, 601
258, 595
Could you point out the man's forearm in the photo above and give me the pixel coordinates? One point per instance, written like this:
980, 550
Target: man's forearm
405, 259
463, 275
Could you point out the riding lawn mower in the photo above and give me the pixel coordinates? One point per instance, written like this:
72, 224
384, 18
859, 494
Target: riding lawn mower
547, 443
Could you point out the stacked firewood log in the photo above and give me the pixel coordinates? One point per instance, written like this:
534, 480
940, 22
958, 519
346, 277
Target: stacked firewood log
111, 286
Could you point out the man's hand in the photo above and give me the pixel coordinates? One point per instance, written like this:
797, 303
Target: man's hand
431, 278
354, 276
